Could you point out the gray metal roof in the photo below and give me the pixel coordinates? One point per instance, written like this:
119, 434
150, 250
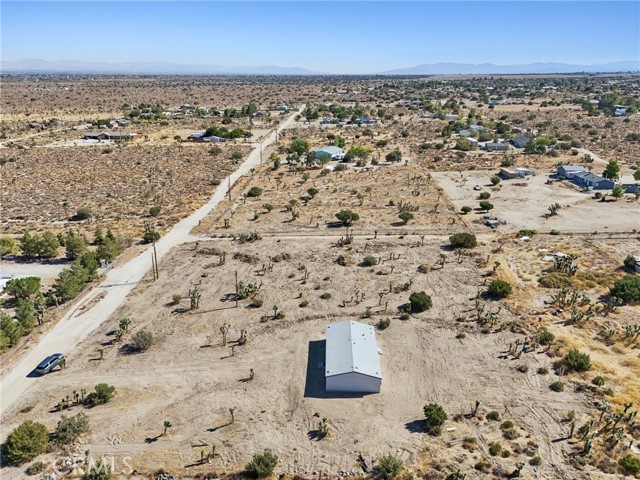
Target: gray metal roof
572, 168
330, 150
352, 347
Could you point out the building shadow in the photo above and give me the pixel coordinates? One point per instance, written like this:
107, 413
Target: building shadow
315, 385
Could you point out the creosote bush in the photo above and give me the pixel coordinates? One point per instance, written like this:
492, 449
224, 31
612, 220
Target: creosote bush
500, 289
419, 302
262, 464
463, 240
254, 192
577, 361
434, 416
141, 341
389, 466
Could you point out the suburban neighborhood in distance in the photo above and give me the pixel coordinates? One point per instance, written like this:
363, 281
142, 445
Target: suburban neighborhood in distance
338, 265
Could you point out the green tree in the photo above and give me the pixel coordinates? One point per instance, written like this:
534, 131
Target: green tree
465, 145
11, 330
419, 302
339, 141
358, 152
70, 282
109, 250
636, 175
89, 262
500, 289
82, 214
617, 192
7, 246
69, 429
484, 205
299, 146
98, 236
495, 180
463, 240
48, 245
630, 262
74, 246
25, 443
627, 289
262, 464
434, 416
23, 287
312, 191
347, 217
150, 234
26, 316
29, 244
612, 170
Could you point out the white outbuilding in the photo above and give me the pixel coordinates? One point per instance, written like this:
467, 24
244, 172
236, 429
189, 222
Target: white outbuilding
352, 358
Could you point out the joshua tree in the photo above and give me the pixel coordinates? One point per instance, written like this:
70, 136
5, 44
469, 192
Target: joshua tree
553, 209
232, 411
124, 324
475, 410
243, 337
166, 425
251, 374
195, 296
323, 428
224, 329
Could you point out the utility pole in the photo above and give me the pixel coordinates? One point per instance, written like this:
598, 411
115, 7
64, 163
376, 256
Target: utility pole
153, 267
155, 258
261, 154
236, 289
229, 190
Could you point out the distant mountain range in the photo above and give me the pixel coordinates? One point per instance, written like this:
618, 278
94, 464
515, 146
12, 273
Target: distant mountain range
165, 68
489, 68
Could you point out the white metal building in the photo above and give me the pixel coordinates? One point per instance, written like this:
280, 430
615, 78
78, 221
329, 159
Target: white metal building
352, 358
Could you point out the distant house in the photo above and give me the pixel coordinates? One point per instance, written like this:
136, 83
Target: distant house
521, 141
567, 171
326, 121
464, 133
113, 136
282, 108
365, 121
476, 128
451, 116
334, 153
496, 147
591, 181
352, 362
196, 136
620, 110
213, 138
519, 172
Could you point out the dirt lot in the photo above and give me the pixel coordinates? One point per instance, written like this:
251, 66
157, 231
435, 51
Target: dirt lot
523, 204
422, 362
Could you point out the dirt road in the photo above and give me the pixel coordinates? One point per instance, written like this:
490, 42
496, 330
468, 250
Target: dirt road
117, 284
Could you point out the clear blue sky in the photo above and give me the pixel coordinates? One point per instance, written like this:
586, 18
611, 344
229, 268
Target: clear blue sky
334, 37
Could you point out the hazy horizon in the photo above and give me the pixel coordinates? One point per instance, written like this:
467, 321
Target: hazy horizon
327, 37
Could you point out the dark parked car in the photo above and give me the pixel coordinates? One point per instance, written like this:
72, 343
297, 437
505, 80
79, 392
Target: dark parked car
49, 363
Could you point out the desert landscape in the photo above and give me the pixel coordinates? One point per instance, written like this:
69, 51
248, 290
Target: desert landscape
190, 283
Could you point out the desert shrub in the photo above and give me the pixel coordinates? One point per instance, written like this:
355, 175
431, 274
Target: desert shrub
405, 316
500, 289
420, 302
629, 464
176, 298
155, 211
254, 192
506, 425
434, 416
554, 232
555, 280
466, 209
25, 442
141, 341
369, 261
535, 461
325, 296
312, 192
484, 196
394, 156
577, 361
304, 304
384, 323
99, 471
484, 205
510, 434
523, 368
150, 234
495, 449
35, 468
256, 303
389, 466
82, 214
630, 262
505, 453
495, 180
557, 386
262, 464
527, 232
545, 337
598, 381
405, 217
495, 416
70, 428
102, 394
268, 207
341, 167
463, 240
627, 289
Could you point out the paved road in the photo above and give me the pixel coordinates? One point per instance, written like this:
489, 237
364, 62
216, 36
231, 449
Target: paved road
118, 283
